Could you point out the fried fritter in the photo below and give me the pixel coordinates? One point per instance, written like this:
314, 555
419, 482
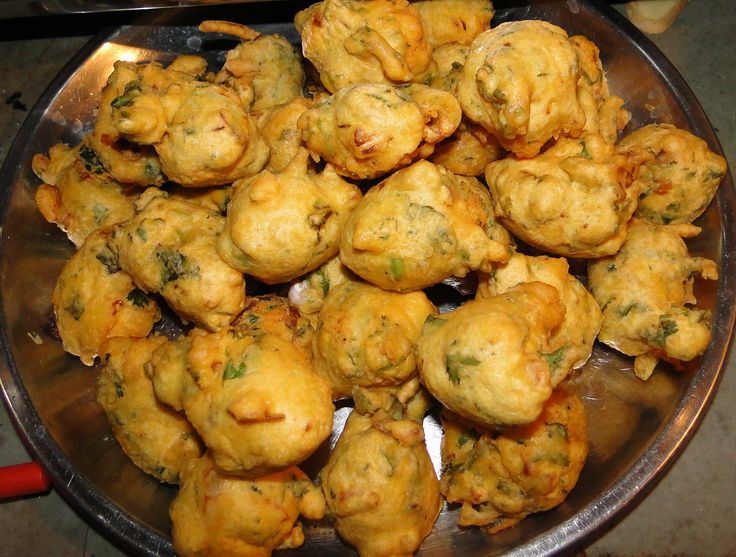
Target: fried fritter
367, 130
309, 294
454, 21
488, 360
94, 300
126, 162
366, 336
380, 486
216, 514
282, 225
169, 247
255, 401
646, 293
363, 41
604, 113
78, 195
680, 177
500, 478
520, 83
264, 70
575, 199
156, 438
421, 225
572, 342
279, 129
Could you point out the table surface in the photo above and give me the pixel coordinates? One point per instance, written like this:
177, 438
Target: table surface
689, 512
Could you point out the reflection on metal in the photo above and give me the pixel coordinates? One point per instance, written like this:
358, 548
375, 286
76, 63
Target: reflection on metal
636, 428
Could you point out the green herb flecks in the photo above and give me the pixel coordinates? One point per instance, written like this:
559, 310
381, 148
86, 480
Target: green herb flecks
232, 371
667, 327
554, 359
584, 153
109, 261
138, 297
129, 93
174, 265
75, 308
90, 160
711, 174
99, 212
455, 363
396, 268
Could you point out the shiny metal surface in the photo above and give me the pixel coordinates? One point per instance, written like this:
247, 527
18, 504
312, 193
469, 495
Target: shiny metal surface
33, 8
636, 428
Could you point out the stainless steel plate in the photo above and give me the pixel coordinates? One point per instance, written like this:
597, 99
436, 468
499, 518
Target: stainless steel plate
636, 428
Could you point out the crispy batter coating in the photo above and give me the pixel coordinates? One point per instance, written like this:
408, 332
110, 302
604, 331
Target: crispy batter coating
367, 130
279, 129
680, 177
604, 113
273, 314
255, 401
421, 225
488, 360
201, 131
380, 486
282, 225
575, 199
454, 21
363, 41
646, 293
366, 336
309, 294
169, 247
157, 439
501, 478
213, 199
572, 342
77, 194
126, 162
219, 515
166, 368
471, 148
264, 70
520, 83
94, 300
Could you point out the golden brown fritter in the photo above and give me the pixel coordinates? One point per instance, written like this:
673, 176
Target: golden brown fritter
216, 514
646, 293
169, 247
604, 113
500, 478
454, 21
201, 132
488, 360
272, 314
363, 41
680, 176
366, 336
520, 83
471, 148
421, 225
575, 199
94, 300
380, 486
255, 401
264, 70
279, 129
157, 439
368, 130
128, 163
572, 342
77, 194
282, 225
309, 294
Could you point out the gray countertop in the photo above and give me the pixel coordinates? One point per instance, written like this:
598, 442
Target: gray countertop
689, 513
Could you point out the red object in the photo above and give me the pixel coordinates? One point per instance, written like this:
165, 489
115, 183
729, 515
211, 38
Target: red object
23, 479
